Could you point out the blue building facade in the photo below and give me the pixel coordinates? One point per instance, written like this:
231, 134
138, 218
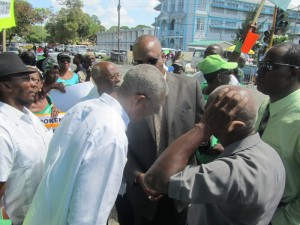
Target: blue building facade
184, 22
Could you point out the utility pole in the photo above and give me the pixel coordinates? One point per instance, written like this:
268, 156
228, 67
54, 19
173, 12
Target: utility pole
119, 8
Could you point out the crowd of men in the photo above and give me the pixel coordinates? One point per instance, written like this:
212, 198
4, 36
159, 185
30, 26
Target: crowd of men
142, 144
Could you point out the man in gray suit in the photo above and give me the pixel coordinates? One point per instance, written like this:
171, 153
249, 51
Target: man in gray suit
183, 108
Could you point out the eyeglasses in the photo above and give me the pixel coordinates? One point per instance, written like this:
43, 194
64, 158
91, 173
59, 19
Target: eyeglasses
27, 78
65, 60
270, 65
151, 61
111, 77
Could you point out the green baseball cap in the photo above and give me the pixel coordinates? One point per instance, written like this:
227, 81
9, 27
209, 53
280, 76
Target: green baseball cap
214, 63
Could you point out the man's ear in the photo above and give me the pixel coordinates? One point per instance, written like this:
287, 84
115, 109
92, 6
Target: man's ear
235, 125
140, 99
5, 86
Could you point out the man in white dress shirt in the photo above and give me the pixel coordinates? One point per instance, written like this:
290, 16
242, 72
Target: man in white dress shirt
87, 155
23, 138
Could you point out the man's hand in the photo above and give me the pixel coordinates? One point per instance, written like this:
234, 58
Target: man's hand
152, 195
221, 109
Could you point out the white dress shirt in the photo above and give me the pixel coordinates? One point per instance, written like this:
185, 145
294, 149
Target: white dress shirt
84, 166
24, 142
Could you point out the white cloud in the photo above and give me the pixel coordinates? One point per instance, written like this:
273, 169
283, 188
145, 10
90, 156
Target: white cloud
132, 13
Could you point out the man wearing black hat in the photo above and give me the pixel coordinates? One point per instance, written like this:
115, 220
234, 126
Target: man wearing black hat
23, 138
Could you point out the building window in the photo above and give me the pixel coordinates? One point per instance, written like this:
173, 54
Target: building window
201, 5
219, 3
164, 25
200, 24
172, 24
180, 5
165, 6
217, 10
217, 22
172, 9
230, 24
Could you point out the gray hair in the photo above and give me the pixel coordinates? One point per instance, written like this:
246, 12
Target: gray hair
144, 79
247, 114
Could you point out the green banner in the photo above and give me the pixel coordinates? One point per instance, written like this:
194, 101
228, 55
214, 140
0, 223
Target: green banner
7, 14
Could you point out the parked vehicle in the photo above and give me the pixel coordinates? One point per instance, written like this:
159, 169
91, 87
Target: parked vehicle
198, 56
12, 49
100, 53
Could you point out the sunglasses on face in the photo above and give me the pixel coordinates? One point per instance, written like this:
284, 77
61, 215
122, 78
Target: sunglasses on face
65, 60
151, 61
269, 66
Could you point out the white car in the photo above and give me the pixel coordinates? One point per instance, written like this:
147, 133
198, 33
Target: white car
101, 53
12, 49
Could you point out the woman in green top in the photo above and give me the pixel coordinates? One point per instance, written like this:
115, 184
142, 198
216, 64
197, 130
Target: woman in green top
43, 103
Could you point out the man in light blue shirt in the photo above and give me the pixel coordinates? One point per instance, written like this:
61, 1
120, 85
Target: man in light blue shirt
87, 155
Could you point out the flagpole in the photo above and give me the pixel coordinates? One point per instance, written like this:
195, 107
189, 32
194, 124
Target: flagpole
4, 40
255, 19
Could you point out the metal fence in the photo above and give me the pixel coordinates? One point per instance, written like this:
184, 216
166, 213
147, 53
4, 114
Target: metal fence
249, 74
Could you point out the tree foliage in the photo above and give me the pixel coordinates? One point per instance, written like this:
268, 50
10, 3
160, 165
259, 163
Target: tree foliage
71, 25
37, 34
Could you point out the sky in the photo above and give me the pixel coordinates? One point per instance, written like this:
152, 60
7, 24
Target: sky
133, 12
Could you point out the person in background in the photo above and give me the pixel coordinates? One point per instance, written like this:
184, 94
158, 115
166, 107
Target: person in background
43, 103
243, 185
216, 72
28, 58
148, 138
89, 150
78, 60
278, 121
106, 78
23, 138
42, 58
89, 60
66, 76
238, 72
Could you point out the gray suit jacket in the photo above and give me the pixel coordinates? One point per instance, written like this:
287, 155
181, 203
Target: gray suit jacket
183, 108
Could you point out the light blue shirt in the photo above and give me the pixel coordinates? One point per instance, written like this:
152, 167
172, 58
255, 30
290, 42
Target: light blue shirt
84, 166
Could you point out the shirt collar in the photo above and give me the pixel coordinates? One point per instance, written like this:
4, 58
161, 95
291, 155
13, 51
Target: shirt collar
13, 113
284, 103
241, 145
117, 106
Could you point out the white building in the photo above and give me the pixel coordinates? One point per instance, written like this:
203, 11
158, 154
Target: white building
186, 24
109, 40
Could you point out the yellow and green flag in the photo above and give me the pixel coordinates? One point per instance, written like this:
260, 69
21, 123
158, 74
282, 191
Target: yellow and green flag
7, 14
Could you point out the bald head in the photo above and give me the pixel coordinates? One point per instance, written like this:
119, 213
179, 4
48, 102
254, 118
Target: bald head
106, 77
147, 50
213, 49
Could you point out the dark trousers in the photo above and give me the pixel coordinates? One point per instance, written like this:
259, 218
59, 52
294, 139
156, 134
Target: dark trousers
166, 214
124, 210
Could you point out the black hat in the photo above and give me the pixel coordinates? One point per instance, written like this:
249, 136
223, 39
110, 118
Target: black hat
10, 64
62, 56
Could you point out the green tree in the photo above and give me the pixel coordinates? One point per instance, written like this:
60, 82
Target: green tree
71, 3
124, 28
71, 25
37, 34
142, 26
24, 16
113, 28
